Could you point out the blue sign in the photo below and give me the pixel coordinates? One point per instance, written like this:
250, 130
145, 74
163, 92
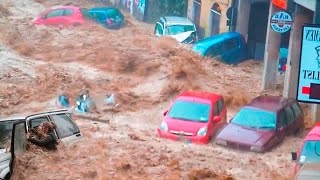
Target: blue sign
309, 72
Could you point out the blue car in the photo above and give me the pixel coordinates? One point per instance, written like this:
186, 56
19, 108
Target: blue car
111, 18
230, 47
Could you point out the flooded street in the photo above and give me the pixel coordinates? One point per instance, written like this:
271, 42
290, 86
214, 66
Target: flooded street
145, 73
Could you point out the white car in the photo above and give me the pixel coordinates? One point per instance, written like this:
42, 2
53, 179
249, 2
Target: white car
15, 129
180, 28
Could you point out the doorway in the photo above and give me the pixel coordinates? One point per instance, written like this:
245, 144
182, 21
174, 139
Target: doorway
214, 21
196, 12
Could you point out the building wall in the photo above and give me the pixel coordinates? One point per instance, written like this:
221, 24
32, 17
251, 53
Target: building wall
205, 14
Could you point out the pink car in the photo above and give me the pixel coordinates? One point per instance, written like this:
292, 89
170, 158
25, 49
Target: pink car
62, 16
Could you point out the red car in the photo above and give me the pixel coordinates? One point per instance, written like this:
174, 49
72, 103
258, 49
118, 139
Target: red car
62, 16
194, 117
262, 124
309, 153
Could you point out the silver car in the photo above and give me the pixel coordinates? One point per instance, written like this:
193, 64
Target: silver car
13, 134
180, 28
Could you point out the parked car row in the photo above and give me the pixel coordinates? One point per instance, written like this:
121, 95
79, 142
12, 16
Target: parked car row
66, 16
13, 139
260, 125
230, 47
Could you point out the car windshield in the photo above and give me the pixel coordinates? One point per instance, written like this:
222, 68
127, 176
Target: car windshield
177, 29
5, 133
255, 118
190, 111
310, 152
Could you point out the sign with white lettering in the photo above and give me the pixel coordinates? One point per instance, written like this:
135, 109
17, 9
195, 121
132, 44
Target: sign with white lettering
281, 22
309, 72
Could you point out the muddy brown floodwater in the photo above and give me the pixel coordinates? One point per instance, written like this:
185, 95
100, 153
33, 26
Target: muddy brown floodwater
145, 73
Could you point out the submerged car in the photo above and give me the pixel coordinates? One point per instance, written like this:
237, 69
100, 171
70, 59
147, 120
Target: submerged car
262, 124
62, 16
230, 47
194, 117
180, 28
309, 153
67, 131
109, 17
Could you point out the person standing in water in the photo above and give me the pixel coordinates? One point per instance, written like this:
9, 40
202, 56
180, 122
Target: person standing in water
46, 137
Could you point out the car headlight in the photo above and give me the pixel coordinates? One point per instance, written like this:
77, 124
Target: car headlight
221, 142
256, 148
202, 131
164, 126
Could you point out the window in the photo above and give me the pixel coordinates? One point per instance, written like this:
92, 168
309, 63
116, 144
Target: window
177, 29
158, 29
65, 126
68, 12
214, 50
37, 121
220, 104
230, 44
216, 110
55, 13
113, 13
282, 119
289, 115
296, 110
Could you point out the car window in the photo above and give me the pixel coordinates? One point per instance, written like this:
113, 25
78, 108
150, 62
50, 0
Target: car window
65, 126
216, 110
214, 50
113, 13
20, 140
68, 12
289, 115
220, 104
158, 29
55, 13
296, 110
282, 119
98, 15
230, 44
37, 121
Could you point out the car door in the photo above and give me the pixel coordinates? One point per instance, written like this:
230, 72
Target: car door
18, 142
222, 110
67, 130
69, 18
55, 18
214, 51
231, 51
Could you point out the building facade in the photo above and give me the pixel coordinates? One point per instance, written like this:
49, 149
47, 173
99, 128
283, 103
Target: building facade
209, 16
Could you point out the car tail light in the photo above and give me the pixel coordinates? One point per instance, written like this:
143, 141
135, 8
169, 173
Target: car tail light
284, 67
108, 21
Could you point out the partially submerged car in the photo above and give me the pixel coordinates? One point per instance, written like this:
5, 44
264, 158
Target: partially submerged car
110, 17
62, 16
180, 28
231, 47
194, 117
310, 150
67, 131
262, 123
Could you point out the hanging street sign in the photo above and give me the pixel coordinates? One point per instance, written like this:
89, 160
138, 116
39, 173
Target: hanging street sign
281, 22
309, 72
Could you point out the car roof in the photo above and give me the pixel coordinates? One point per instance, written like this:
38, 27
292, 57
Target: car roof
269, 103
101, 9
174, 20
314, 134
208, 42
212, 97
25, 116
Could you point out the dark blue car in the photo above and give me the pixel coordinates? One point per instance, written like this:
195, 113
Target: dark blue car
230, 47
111, 18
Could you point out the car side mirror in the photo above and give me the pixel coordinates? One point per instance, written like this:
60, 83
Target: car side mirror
165, 113
294, 156
216, 119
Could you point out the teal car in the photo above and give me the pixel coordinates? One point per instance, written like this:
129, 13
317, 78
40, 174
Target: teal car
230, 47
110, 17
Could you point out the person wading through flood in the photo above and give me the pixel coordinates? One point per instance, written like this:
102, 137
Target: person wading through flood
45, 136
